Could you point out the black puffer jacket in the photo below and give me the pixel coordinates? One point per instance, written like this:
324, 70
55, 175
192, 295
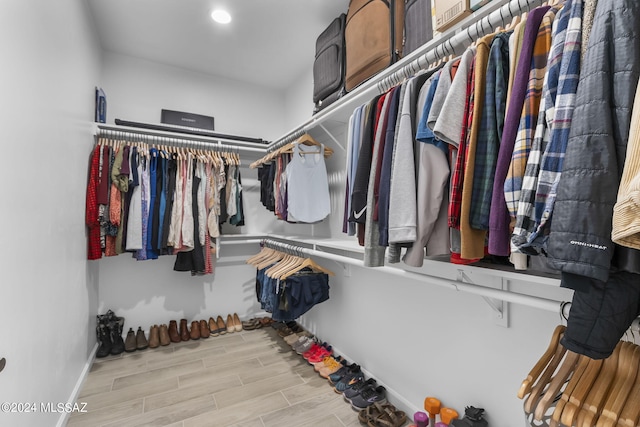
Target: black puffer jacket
607, 296
580, 239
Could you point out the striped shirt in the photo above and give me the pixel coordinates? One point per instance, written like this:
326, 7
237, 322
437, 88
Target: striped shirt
525, 216
529, 115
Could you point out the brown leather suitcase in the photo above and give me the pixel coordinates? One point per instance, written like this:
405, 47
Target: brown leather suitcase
373, 38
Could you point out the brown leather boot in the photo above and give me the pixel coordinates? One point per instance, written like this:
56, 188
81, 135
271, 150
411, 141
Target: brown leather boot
164, 335
173, 331
184, 330
204, 329
154, 337
222, 328
195, 330
141, 340
130, 341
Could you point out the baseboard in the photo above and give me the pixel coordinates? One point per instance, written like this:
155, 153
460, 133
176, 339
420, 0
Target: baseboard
64, 417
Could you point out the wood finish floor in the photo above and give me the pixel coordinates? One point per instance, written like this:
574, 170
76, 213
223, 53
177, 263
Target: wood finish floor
243, 379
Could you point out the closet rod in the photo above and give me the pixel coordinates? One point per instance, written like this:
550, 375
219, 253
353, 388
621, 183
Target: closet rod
167, 138
514, 297
455, 39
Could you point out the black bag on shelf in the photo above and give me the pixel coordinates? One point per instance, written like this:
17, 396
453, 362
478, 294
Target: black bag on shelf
328, 67
418, 24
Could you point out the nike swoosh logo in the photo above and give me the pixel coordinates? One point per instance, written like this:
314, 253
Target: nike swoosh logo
357, 215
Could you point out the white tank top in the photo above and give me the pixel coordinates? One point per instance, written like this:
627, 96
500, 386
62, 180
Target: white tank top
308, 187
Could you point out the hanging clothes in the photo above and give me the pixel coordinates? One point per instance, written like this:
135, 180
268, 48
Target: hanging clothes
499, 218
308, 185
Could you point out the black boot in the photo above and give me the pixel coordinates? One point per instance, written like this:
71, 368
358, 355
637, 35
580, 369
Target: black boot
104, 339
116, 338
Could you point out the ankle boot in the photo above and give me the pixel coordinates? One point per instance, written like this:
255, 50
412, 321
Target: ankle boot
195, 330
164, 335
204, 329
154, 337
141, 340
104, 339
173, 331
184, 330
130, 341
116, 337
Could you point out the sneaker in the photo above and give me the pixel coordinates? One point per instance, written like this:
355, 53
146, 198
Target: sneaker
331, 368
368, 397
358, 388
319, 355
348, 380
321, 364
316, 348
300, 341
303, 348
340, 373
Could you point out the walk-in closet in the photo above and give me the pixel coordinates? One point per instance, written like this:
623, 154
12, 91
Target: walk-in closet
446, 236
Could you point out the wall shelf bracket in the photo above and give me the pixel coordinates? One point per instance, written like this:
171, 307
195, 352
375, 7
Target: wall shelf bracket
333, 138
500, 308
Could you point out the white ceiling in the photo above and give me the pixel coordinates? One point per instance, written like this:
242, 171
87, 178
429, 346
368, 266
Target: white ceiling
268, 42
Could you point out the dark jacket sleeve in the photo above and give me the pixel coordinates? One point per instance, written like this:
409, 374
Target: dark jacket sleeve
361, 181
580, 239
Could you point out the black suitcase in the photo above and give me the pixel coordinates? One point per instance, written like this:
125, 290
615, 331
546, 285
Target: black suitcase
418, 24
328, 67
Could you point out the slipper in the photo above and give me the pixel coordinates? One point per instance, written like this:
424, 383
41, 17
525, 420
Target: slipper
390, 417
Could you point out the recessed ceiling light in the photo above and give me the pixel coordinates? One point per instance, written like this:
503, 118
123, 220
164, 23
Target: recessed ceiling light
221, 16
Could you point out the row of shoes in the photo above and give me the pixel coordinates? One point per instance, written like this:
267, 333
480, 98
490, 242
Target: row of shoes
364, 395
110, 327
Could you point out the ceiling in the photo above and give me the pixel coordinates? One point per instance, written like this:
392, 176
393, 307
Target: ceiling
268, 42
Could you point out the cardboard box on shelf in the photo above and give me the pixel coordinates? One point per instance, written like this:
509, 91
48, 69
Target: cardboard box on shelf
450, 12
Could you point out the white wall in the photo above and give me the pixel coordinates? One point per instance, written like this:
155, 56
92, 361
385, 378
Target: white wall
48, 297
299, 100
138, 89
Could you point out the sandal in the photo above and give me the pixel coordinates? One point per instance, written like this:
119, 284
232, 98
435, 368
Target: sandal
390, 417
370, 413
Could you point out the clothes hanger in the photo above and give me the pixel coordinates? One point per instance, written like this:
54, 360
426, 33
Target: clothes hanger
288, 261
630, 414
265, 251
545, 378
527, 384
599, 391
579, 393
308, 262
622, 385
559, 379
581, 367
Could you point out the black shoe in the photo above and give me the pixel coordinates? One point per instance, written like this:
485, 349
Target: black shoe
368, 397
104, 338
357, 388
116, 338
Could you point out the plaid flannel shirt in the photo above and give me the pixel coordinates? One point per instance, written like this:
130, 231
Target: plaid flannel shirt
455, 203
490, 132
525, 217
529, 115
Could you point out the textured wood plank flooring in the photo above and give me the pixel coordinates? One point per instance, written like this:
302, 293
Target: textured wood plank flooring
245, 379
